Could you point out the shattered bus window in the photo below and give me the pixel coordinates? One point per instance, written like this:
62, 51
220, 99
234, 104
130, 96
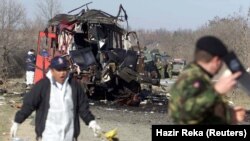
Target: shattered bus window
105, 57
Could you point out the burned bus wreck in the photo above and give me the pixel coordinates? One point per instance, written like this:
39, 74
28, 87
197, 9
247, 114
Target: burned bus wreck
104, 56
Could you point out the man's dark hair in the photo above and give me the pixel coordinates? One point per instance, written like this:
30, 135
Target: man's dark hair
203, 56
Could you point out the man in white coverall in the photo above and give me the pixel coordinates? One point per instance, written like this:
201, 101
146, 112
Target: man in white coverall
30, 67
58, 101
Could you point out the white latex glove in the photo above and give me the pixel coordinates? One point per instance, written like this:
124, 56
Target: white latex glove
13, 129
95, 127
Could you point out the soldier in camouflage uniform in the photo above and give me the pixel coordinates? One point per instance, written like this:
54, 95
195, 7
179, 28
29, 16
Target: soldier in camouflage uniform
160, 68
194, 99
170, 69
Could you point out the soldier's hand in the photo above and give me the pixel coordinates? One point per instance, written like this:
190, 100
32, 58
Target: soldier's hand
226, 83
239, 114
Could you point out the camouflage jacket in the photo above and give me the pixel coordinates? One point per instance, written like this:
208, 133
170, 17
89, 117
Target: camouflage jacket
170, 67
159, 65
194, 100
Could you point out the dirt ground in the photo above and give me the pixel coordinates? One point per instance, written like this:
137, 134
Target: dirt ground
132, 123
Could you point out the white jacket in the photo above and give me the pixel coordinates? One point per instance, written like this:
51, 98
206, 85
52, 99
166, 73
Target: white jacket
59, 125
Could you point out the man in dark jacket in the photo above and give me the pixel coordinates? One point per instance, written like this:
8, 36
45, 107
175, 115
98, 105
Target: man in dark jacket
58, 101
30, 67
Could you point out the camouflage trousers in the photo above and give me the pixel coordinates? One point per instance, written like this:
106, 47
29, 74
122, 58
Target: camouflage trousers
170, 74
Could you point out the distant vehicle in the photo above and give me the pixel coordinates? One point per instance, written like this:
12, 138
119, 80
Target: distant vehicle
178, 65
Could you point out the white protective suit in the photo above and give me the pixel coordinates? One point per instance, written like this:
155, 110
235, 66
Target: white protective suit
59, 125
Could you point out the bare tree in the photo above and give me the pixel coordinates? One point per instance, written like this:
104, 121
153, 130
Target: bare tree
233, 30
47, 9
12, 15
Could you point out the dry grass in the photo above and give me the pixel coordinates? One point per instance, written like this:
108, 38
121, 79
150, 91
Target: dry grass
6, 115
6, 111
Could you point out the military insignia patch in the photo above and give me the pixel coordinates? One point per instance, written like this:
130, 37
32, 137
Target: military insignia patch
196, 84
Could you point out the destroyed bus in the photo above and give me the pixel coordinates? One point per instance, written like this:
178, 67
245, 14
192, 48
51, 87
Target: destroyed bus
103, 55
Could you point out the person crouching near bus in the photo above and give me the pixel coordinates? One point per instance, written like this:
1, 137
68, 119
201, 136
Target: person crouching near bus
59, 100
30, 68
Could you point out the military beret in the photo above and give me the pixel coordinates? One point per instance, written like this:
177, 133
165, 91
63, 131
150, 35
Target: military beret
212, 45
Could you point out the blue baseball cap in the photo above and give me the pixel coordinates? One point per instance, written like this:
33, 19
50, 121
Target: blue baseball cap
59, 63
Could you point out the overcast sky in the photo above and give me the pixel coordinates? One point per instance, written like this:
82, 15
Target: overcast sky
155, 14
